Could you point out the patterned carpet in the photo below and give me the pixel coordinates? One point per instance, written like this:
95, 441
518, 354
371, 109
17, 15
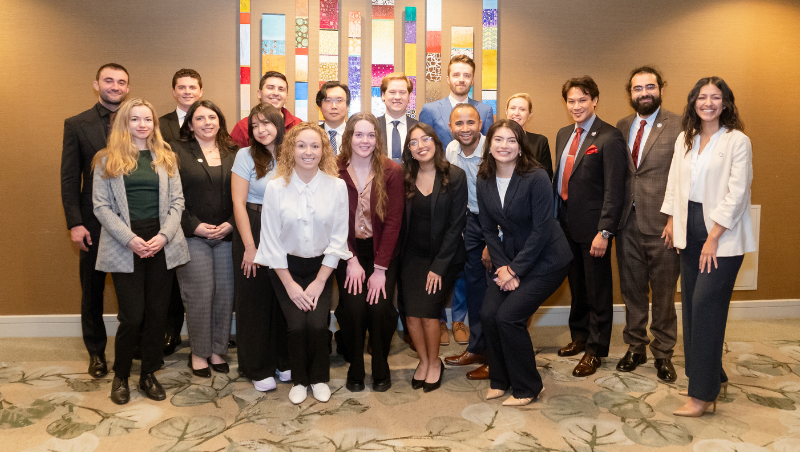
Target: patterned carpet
55, 406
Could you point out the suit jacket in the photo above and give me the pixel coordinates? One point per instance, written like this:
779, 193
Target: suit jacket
384, 232
111, 208
84, 135
533, 242
437, 115
196, 182
169, 126
646, 184
597, 184
540, 148
410, 122
726, 195
448, 219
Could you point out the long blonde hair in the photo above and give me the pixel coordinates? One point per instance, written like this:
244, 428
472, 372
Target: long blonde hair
121, 153
327, 163
376, 161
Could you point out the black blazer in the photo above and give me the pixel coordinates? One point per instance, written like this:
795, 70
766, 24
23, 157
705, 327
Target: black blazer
169, 126
540, 148
196, 182
596, 188
84, 135
448, 219
533, 242
410, 122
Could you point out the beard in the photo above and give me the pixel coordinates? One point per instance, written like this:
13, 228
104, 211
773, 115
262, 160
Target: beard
110, 101
646, 109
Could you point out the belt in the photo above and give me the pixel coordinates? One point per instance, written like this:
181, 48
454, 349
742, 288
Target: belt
254, 206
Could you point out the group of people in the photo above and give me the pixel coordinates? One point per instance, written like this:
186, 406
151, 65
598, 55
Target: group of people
266, 220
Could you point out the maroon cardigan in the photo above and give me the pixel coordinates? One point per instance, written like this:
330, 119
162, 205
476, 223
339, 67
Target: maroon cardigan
386, 232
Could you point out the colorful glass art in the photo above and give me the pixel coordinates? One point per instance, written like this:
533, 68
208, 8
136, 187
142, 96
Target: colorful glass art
461, 43
433, 49
328, 42
489, 61
354, 61
244, 58
273, 43
301, 59
382, 49
410, 56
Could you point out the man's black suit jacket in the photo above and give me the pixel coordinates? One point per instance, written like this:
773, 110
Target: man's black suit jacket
596, 188
169, 126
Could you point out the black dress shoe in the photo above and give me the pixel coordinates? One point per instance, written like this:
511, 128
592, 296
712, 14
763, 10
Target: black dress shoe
629, 362
221, 368
382, 385
202, 373
151, 387
572, 349
428, 387
355, 385
171, 342
120, 394
97, 366
416, 384
665, 370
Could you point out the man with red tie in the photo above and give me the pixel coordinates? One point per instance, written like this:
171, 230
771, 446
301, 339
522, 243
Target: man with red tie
644, 262
590, 187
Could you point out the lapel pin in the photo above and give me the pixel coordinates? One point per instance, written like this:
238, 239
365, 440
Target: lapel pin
594, 133
720, 154
200, 160
658, 125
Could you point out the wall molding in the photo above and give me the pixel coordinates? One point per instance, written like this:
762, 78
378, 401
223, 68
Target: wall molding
69, 325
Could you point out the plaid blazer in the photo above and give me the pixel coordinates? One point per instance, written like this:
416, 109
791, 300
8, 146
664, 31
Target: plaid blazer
111, 209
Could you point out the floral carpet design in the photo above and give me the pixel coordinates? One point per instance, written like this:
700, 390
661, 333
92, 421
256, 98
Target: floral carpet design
46, 407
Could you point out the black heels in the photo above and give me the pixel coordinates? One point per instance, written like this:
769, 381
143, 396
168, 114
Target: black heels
428, 387
222, 368
205, 372
416, 384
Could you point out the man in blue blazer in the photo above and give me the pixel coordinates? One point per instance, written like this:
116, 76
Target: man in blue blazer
460, 74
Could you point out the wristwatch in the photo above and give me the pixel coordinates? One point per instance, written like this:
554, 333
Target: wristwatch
606, 234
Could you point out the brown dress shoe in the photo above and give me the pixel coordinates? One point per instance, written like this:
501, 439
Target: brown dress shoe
460, 333
481, 373
572, 349
444, 334
587, 366
465, 359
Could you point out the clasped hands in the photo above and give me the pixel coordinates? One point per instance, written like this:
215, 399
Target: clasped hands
148, 248
211, 232
506, 278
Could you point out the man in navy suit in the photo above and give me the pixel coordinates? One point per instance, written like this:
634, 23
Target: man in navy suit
396, 90
460, 74
187, 88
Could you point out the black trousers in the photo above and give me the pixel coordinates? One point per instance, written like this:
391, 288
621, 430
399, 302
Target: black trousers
309, 357
476, 280
175, 312
260, 325
92, 284
705, 299
143, 298
356, 316
590, 283
511, 359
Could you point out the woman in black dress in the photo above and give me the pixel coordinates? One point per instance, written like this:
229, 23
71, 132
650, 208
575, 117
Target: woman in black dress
433, 245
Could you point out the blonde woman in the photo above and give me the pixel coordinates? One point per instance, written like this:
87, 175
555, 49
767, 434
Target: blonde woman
304, 225
518, 109
138, 200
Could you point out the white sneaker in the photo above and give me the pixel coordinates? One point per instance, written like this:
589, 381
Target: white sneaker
321, 392
267, 384
284, 376
298, 393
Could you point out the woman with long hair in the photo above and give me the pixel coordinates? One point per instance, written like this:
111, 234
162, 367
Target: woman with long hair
708, 203
529, 253
518, 109
303, 237
138, 200
433, 252
375, 191
260, 325
206, 154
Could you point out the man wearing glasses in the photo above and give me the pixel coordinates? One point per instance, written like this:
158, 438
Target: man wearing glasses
333, 99
644, 262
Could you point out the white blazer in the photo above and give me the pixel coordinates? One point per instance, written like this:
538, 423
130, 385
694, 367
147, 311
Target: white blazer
726, 197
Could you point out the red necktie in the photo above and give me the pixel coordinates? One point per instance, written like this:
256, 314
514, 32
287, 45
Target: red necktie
573, 149
636, 143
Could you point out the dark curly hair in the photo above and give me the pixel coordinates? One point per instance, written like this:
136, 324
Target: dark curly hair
691, 122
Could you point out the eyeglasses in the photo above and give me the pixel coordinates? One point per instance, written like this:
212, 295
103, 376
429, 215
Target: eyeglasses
639, 88
330, 101
413, 144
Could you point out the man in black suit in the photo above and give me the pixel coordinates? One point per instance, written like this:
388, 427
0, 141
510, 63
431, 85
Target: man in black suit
187, 88
396, 90
589, 183
84, 135
333, 99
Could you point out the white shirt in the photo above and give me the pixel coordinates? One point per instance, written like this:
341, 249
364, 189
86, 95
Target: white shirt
699, 165
339, 132
454, 101
304, 220
502, 187
402, 128
635, 130
181, 116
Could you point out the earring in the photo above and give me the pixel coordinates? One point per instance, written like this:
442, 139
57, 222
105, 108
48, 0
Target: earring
520, 153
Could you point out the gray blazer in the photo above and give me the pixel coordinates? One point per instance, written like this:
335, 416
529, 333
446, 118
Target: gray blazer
111, 208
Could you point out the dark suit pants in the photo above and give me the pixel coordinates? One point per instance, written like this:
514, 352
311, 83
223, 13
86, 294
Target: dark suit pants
511, 359
644, 259
356, 316
705, 298
143, 298
175, 313
260, 325
307, 336
92, 284
475, 281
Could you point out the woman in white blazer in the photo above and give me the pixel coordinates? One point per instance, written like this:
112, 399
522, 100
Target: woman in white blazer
708, 203
138, 200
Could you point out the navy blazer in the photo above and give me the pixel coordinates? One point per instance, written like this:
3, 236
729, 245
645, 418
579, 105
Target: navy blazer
533, 242
437, 115
170, 126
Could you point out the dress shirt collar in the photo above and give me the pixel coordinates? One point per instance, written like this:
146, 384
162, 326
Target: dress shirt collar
339, 130
454, 101
477, 153
301, 186
650, 119
181, 116
102, 110
389, 119
588, 125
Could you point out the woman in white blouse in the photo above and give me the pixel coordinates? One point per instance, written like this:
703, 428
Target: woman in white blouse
303, 235
708, 203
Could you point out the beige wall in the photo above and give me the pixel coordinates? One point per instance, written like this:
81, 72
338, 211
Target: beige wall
51, 49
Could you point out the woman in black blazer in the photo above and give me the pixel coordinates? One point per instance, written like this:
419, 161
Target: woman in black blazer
529, 253
518, 109
206, 154
433, 252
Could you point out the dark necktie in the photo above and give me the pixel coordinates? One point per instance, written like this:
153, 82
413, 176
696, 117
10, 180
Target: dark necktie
396, 142
111, 117
573, 149
636, 143
332, 134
